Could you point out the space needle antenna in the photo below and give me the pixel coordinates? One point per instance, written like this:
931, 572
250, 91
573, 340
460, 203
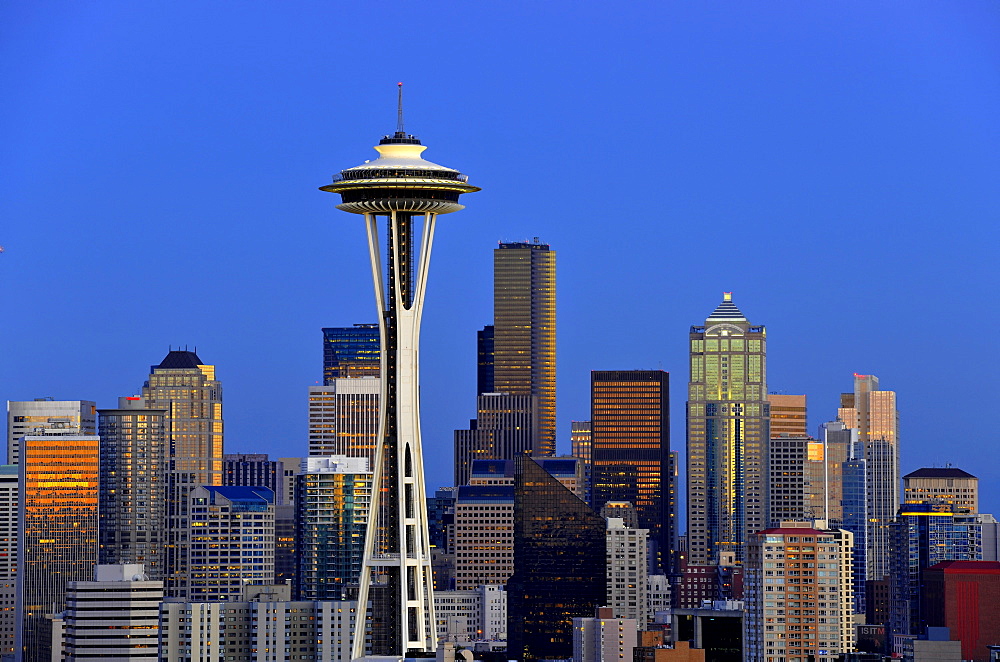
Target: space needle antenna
399, 112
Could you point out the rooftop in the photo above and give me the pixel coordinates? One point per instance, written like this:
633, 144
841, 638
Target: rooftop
727, 310
939, 472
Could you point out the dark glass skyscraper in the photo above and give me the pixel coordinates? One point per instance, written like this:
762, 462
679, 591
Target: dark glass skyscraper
351, 351
630, 449
559, 565
484, 359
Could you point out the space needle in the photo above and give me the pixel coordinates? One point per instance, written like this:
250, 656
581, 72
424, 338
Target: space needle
400, 195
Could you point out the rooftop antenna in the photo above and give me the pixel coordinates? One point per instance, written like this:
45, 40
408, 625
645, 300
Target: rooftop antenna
399, 113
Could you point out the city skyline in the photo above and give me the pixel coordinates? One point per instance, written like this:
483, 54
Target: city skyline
851, 167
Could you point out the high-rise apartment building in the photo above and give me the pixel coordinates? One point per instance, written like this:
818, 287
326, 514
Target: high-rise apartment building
630, 449
788, 415
942, 485
8, 556
799, 594
231, 537
59, 476
350, 352
41, 415
133, 470
343, 418
505, 426
627, 571
727, 433
113, 617
604, 638
191, 395
559, 565
872, 412
333, 499
524, 335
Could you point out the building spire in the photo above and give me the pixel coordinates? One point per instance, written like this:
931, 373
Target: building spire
400, 131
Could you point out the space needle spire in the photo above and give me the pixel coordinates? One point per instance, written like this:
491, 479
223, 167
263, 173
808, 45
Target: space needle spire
400, 195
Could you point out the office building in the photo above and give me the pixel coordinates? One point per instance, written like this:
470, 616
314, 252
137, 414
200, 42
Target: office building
942, 485
963, 596
333, 501
43, 414
792, 611
788, 415
58, 476
923, 535
407, 193
484, 535
505, 426
727, 433
524, 330
581, 440
343, 418
854, 518
191, 395
559, 565
630, 449
231, 541
258, 626
839, 445
350, 352
133, 470
627, 572
466, 617
250, 470
872, 412
604, 638
484, 360
114, 617
8, 556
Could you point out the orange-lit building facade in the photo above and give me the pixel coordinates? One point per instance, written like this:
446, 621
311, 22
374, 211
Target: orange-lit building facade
59, 477
788, 415
630, 449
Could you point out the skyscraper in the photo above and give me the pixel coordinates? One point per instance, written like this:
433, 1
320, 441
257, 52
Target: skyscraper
630, 449
59, 475
133, 470
727, 433
8, 556
559, 565
187, 389
942, 485
524, 334
349, 352
505, 426
403, 189
343, 418
872, 412
24, 417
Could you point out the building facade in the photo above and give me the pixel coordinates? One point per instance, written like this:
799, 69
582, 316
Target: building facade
343, 418
630, 449
788, 415
132, 506
350, 352
727, 433
627, 572
191, 395
42, 415
524, 330
604, 638
963, 597
505, 426
59, 475
942, 485
8, 556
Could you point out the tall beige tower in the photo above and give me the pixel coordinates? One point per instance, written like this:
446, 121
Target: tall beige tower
524, 320
187, 390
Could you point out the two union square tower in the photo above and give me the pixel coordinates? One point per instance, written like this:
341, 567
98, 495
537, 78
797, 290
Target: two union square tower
727, 434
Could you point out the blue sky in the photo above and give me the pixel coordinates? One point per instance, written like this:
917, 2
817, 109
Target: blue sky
835, 165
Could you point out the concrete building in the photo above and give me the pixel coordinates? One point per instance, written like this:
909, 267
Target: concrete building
630, 450
343, 418
333, 503
799, 594
58, 479
8, 556
262, 625
231, 538
628, 572
115, 617
727, 433
191, 395
465, 617
788, 415
942, 484
45, 415
964, 596
524, 330
484, 535
505, 426
604, 638
133, 507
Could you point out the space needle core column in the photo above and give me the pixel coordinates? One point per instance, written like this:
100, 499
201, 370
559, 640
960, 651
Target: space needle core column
408, 193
